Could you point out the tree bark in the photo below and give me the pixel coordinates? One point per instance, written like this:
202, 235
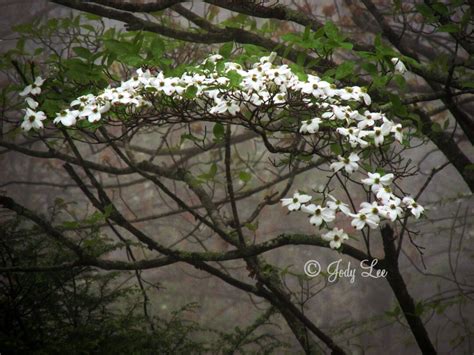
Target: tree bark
406, 302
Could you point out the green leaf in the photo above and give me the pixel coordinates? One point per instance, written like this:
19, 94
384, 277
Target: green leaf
38, 51
133, 59
299, 71
446, 124
218, 131
188, 136
108, 210
20, 44
450, 27
419, 309
336, 149
157, 47
191, 92
369, 68
252, 226
245, 176
307, 31
332, 31
226, 49
301, 58
344, 70
400, 80
292, 37
346, 45
82, 52
441, 8
210, 174
119, 48
397, 106
70, 224
436, 127
92, 17
234, 77
426, 11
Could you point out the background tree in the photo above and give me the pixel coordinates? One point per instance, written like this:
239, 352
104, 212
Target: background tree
203, 170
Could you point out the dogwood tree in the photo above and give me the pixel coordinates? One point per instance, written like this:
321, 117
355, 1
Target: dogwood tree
178, 152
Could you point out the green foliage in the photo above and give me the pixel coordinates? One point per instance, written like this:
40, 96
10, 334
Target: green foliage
226, 49
219, 132
88, 59
245, 176
210, 174
437, 14
80, 310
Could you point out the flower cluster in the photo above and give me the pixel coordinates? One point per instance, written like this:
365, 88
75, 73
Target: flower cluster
387, 206
33, 119
218, 88
261, 86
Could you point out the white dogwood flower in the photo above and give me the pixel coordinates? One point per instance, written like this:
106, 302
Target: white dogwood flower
31, 103
379, 133
310, 126
33, 119
83, 100
33, 89
94, 112
385, 194
225, 106
296, 201
361, 220
338, 205
368, 119
66, 117
318, 214
373, 210
264, 92
399, 66
415, 209
352, 134
335, 237
376, 181
393, 209
397, 130
349, 164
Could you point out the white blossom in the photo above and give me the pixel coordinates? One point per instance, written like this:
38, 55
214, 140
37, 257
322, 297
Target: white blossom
376, 181
393, 209
335, 237
373, 211
397, 131
361, 220
399, 66
310, 126
379, 133
353, 135
338, 205
225, 106
415, 209
66, 117
33, 119
318, 214
263, 88
349, 164
296, 201
385, 194
31, 103
33, 89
